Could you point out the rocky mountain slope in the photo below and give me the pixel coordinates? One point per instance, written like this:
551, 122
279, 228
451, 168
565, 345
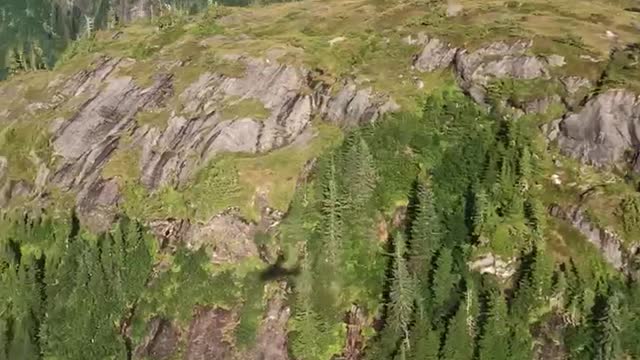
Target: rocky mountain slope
203, 127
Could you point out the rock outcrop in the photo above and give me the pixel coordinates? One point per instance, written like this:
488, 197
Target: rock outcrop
197, 129
436, 54
604, 133
227, 238
271, 339
160, 342
576, 89
475, 69
494, 265
207, 335
607, 242
497, 60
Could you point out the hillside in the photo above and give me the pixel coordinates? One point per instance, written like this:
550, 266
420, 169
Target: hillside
359, 179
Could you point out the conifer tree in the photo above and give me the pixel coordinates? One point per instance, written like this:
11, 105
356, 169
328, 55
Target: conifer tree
425, 232
402, 294
306, 342
444, 279
492, 344
542, 273
23, 344
607, 330
360, 173
535, 213
481, 212
331, 209
520, 340
458, 342
425, 341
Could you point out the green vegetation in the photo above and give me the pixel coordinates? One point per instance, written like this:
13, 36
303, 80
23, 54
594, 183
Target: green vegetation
123, 165
64, 292
157, 119
244, 108
484, 176
229, 180
623, 71
387, 220
471, 184
24, 144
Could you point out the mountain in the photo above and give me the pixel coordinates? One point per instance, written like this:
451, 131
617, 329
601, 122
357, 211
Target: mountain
359, 179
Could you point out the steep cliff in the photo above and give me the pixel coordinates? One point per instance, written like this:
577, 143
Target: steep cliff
214, 129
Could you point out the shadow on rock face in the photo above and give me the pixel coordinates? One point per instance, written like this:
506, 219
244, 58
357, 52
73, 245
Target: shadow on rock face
277, 271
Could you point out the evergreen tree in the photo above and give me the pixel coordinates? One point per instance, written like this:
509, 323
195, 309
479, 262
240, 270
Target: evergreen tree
542, 273
306, 342
520, 340
458, 342
425, 233
24, 344
481, 212
444, 280
332, 216
492, 344
607, 329
402, 294
425, 341
4, 339
360, 173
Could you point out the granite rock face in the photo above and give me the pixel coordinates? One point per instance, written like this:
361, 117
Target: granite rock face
607, 242
497, 60
436, 54
197, 129
476, 68
604, 133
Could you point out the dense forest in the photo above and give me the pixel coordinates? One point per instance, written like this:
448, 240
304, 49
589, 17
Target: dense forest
459, 182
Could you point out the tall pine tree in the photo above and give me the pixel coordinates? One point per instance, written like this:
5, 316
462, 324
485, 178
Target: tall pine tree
492, 344
458, 342
425, 232
402, 294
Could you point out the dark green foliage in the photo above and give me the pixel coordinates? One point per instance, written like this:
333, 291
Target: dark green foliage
425, 341
251, 311
64, 293
445, 280
175, 293
425, 232
309, 335
607, 327
458, 341
402, 294
492, 344
472, 183
629, 211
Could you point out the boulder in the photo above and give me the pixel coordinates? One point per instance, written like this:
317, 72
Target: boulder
604, 133
576, 89
436, 54
497, 60
454, 8
160, 342
494, 265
